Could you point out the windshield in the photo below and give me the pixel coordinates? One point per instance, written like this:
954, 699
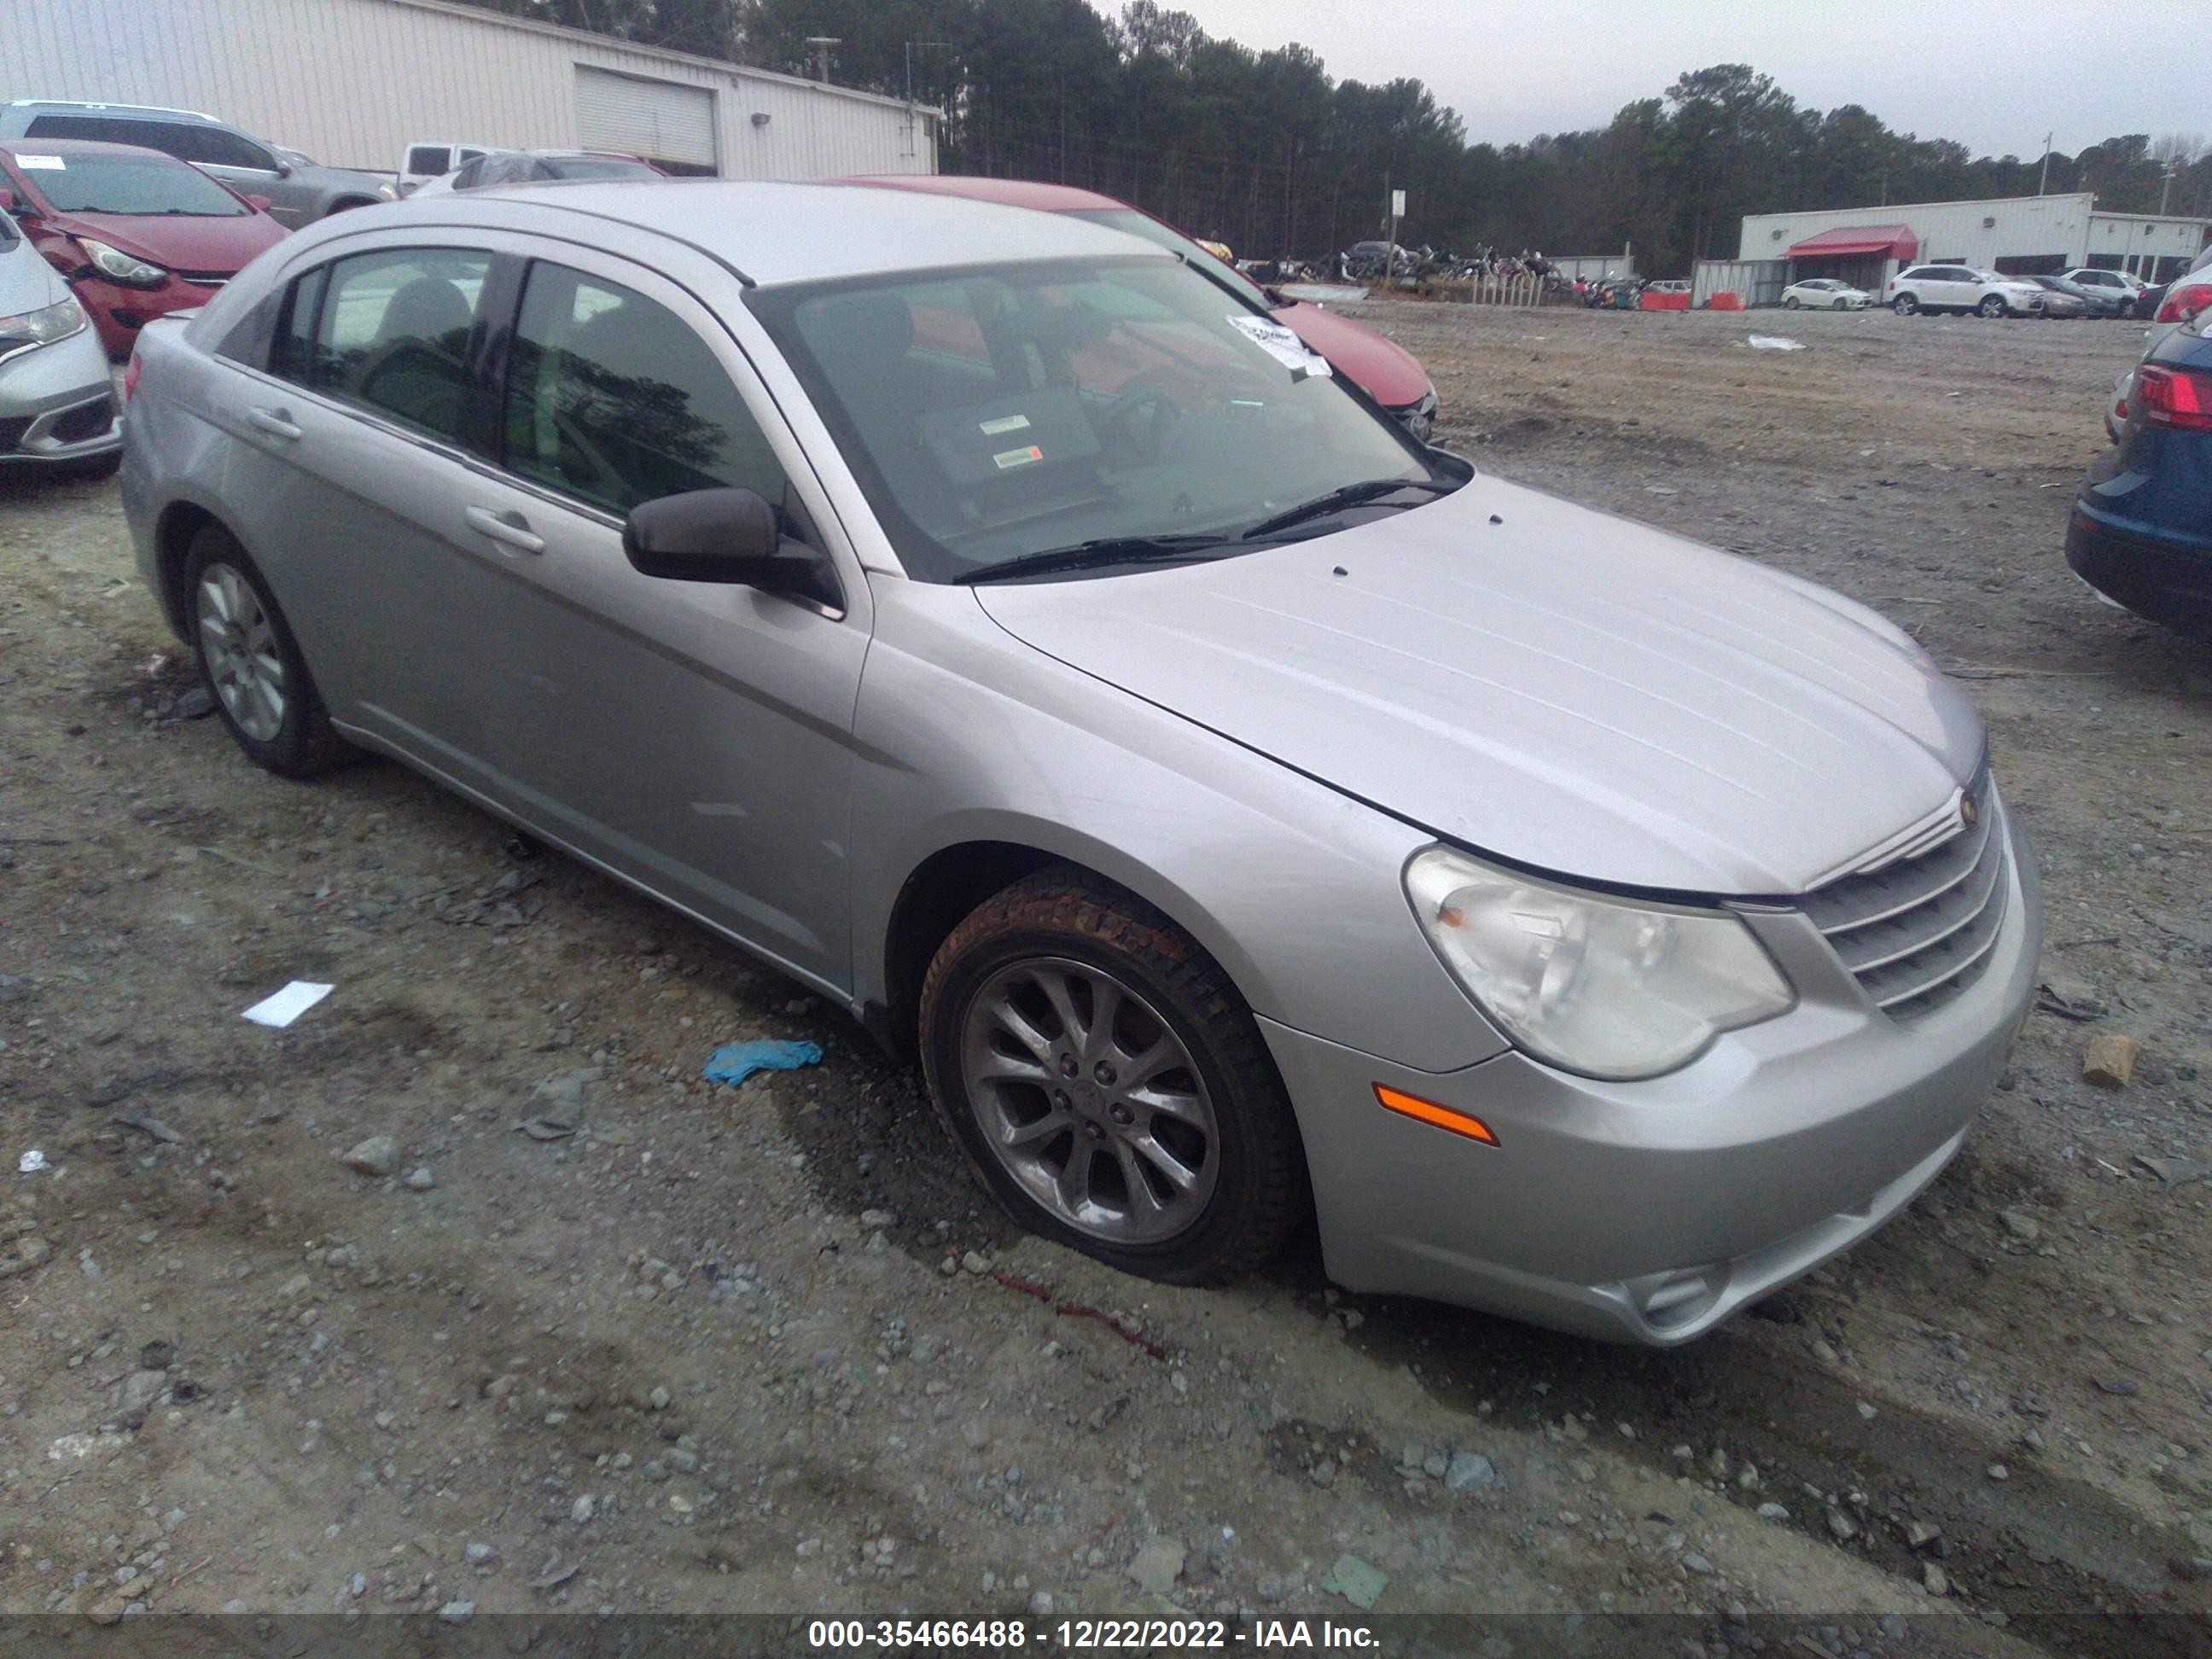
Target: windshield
1160, 235
142, 184
1009, 410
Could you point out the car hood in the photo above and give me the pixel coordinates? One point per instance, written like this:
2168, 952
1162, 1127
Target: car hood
179, 243
1565, 689
1385, 370
27, 283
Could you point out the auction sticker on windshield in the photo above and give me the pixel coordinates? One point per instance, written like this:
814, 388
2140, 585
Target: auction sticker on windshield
42, 163
1279, 342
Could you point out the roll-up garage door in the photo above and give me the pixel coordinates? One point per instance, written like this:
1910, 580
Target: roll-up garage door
661, 120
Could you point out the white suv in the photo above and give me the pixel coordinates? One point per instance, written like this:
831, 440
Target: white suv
1956, 288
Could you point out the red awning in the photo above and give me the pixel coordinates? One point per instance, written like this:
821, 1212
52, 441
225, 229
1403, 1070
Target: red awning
1891, 241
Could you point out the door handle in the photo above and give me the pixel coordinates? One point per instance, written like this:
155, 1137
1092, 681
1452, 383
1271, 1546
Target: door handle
511, 528
277, 422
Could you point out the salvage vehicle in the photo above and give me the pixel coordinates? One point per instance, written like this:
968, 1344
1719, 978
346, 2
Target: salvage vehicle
2141, 534
299, 191
58, 409
1824, 294
533, 166
1380, 366
1243, 811
1936, 288
2124, 289
136, 233
424, 161
2061, 303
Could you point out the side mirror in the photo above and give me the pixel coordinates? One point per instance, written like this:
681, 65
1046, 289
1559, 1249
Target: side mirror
8, 201
259, 203
729, 536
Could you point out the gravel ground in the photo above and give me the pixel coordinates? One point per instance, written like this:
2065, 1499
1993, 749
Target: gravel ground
767, 1348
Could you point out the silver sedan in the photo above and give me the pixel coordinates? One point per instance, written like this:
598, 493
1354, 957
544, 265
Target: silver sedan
57, 399
1242, 812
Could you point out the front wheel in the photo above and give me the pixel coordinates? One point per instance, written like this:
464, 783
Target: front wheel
1992, 307
1905, 305
1109, 1084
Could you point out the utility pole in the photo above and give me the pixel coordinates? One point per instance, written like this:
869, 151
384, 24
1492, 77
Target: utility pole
2166, 189
822, 43
2042, 183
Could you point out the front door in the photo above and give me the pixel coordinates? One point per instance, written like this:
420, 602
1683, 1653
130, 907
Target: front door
693, 735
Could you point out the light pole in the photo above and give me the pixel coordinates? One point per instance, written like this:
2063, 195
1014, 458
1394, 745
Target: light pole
822, 43
2046, 180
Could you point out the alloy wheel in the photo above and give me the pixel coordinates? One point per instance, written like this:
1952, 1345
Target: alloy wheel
1087, 1098
239, 646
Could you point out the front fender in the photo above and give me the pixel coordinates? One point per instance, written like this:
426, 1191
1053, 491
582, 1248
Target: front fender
965, 734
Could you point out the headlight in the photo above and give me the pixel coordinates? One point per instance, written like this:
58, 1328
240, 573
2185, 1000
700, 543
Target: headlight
1599, 986
120, 267
42, 327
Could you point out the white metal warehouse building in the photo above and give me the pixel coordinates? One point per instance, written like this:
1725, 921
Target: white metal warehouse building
2019, 235
352, 82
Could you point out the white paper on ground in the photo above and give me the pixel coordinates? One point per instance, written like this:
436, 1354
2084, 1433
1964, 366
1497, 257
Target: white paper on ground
287, 1004
32, 1161
1775, 343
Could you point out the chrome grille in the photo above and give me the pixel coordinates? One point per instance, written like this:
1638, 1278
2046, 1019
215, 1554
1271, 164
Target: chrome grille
1917, 932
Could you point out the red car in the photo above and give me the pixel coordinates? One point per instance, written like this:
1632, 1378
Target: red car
1382, 369
136, 233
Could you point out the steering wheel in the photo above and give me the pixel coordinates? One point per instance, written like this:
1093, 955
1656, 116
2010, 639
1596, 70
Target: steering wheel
1141, 421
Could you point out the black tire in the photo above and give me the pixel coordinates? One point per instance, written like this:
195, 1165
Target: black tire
303, 744
1905, 305
1789, 302
1065, 913
1992, 308
98, 469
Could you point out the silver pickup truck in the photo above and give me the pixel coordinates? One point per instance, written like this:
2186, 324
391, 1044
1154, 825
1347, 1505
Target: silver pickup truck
297, 189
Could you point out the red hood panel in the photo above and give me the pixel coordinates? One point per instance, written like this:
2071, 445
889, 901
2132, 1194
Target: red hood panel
1386, 371
178, 243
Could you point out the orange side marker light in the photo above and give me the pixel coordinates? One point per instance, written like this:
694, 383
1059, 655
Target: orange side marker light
1427, 1111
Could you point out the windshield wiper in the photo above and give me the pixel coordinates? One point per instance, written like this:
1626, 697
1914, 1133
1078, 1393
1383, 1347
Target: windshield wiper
1100, 553
1351, 495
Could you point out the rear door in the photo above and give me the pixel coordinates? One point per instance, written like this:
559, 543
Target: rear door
693, 735
358, 436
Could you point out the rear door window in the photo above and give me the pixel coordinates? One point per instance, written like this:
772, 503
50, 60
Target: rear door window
432, 159
611, 397
391, 334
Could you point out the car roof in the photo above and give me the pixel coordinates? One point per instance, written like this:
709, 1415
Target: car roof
126, 112
82, 147
1008, 192
791, 233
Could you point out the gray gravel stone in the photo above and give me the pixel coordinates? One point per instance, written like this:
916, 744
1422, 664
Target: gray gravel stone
1157, 1566
1469, 1472
377, 1156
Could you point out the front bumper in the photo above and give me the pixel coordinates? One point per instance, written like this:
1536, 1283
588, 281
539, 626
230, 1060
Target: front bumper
57, 404
1649, 1212
119, 312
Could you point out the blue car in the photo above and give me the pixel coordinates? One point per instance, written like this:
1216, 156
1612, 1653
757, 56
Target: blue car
2141, 529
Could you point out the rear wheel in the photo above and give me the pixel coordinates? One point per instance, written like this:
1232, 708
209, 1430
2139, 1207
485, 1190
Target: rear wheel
1789, 302
252, 663
1905, 305
1109, 1084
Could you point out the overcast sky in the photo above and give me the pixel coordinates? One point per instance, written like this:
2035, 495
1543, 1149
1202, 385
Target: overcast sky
1996, 78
